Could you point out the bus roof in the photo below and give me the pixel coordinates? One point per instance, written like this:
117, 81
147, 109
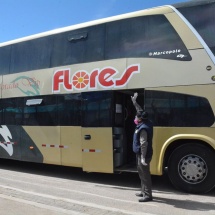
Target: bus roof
151, 11
156, 10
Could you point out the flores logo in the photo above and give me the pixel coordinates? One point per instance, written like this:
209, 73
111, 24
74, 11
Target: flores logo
82, 79
5, 133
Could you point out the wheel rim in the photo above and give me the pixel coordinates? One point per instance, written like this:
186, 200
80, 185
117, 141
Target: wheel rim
192, 169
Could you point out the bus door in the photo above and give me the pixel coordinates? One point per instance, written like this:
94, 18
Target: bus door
119, 136
123, 129
97, 132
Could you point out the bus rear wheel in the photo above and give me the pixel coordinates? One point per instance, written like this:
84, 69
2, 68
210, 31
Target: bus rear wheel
191, 168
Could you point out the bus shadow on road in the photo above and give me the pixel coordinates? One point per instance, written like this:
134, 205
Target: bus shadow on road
187, 204
123, 181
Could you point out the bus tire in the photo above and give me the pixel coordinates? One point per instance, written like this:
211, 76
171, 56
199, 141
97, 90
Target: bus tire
191, 168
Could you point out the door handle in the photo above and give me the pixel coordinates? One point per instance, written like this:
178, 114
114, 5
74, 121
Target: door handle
87, 137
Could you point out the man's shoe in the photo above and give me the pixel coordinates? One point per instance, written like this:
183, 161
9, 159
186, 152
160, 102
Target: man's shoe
139, 194
145, 199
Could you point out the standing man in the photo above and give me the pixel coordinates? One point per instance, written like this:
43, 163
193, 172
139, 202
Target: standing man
142, 146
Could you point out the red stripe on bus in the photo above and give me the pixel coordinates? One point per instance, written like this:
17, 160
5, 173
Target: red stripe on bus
8, 142
54, 146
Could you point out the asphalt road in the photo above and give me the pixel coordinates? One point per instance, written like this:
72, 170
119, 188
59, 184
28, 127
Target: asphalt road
27, 188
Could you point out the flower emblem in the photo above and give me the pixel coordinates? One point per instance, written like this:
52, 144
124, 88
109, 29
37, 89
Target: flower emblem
80, 80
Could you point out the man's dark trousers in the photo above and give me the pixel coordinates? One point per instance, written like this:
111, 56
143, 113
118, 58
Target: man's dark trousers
145, 177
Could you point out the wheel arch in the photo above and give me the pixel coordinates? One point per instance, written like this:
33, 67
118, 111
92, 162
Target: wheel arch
178, 140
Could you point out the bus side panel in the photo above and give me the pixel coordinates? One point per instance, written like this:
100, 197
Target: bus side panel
10, 142
157, 145
47, 139
30, 151
71, 150
97, 148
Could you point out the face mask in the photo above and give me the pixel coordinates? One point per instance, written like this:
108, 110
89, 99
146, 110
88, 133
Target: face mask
136, 122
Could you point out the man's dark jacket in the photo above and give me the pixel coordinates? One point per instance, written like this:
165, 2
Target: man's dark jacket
148, 127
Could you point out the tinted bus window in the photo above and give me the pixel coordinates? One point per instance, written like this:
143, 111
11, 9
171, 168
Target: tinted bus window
148, 36
178, 110
97, 109
69, 109
5, 60
50, 110
202, 17
78, 46
11, 111
43, 113
31, 55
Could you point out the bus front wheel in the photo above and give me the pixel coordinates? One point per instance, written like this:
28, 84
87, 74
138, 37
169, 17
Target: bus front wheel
191, 168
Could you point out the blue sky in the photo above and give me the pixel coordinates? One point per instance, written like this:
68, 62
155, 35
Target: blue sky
20, 18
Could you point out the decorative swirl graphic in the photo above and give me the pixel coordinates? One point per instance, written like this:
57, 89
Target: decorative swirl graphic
26, 82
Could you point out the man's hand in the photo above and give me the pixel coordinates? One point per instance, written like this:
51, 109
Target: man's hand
143, 161
134, 98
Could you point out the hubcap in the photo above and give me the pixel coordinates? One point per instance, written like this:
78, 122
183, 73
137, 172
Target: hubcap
192, 169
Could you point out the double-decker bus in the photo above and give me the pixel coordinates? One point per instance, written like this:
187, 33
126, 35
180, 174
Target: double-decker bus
66, 93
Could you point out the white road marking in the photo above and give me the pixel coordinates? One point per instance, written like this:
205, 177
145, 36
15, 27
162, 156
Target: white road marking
81, 192
74, 201
39, 205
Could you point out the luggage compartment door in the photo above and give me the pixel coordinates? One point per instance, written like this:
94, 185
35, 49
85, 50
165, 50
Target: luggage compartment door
97, 134
97, 150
